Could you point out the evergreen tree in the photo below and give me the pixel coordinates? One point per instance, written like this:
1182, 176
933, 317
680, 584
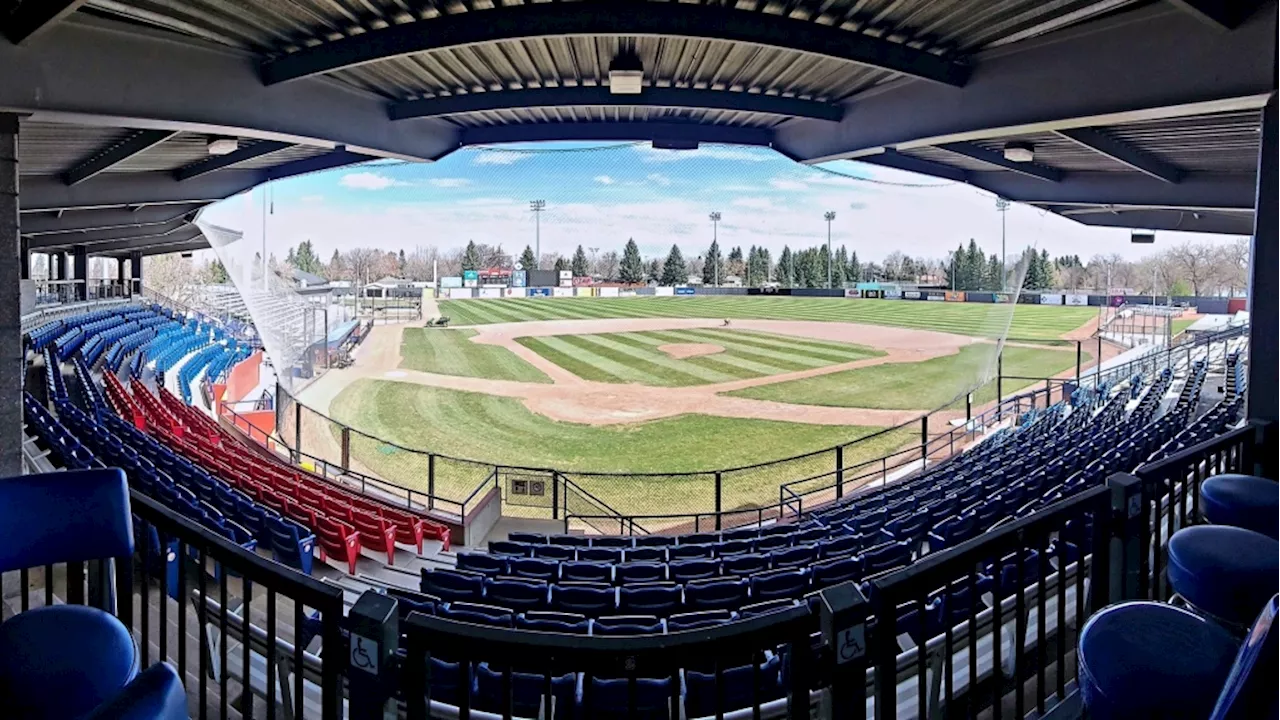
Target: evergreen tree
994, 276
632, 269
579, 267
654, 271
471, 257
713, 266
786, 275
527, 261
561, 264
753, 266
975, 265
673, 270
766, 264
304, 258
335, 266
815, 270
401, 263
855, 268
837, 273
1046, 271
736, 266
218, 272
291, 258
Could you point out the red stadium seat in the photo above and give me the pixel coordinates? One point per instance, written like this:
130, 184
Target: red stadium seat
339, 540
375, 533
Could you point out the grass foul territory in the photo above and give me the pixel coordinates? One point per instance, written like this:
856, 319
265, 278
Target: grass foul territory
979, 319
451, 352
932, 383
501, 430
658, 358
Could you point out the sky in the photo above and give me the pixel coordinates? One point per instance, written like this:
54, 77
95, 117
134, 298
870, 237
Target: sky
599, 195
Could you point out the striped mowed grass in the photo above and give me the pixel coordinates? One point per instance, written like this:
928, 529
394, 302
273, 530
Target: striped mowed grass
637, 357
976, 319
451, 352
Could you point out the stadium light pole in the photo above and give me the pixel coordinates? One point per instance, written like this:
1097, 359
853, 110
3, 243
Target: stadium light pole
1002, 206
537, 206
715, 222
829, 216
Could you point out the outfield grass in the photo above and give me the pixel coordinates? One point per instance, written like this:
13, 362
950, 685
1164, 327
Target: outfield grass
451, 352
918, 386
501, 430
1028, 321
1181, 325
635, 358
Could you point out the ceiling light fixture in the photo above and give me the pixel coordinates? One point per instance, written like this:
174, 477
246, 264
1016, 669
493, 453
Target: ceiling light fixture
626, 74
223, 146
1020, 152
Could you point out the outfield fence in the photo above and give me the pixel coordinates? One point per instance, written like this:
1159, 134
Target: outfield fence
608, 502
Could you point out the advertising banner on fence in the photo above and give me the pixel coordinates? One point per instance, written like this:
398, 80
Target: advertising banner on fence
953, 296
911, 294
562, 292
1077, 300
513, 292
583, 292
459, 293
1027, 298
450, 282
470, 278
607, 292
626, 293
566, 278
853, 293
684, 291
934, 295
664, 291
539, 292
980, 297
872, 294
868, 286
1047, 299
894, 294
490, 292
1002, 297
519, 278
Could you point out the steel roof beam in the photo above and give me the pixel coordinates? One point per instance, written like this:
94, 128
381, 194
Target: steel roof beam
601, 96
1065, 80
1122, 152
34, 16
139, 142
92, 71
1180, 220
617, 132
222, 162
992, 157
1206, 191
1221, 14
34, 223
102, 236
898, 161
199, 243
190, 234
616, 17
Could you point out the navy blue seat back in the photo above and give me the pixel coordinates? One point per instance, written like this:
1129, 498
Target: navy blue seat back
653, 541
71, 516
779, 584
888, 555
453, 585
835, 571
645, 554
699, 619
648, 699
685, 552
600, 554
743, 565
660, 600
611, 542
482, 563
554, 552
740, 687
534, 569
552, 621
724, 594
798, 556
518, 595
476, 613
639, 572
616, 625
588, 600
683, 571
586, 572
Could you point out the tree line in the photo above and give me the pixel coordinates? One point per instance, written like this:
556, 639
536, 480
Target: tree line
1192, 268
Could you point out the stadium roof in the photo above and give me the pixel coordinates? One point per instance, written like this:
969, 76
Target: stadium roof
1137, 113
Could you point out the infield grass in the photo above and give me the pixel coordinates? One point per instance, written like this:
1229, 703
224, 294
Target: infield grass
501, 430
979, 319
451, 352
635, 357
921, 385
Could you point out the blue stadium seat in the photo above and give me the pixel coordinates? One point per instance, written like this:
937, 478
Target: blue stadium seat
519, 595
588, 600
686, 552
699, 538
834, 571
611, 542
291, 544
649, 699
729, 548
452, 584
798, 556
888, 555
699, 619
765, 607
744, 565
953, 531
779, 584
527, 690
512, 549
476, 613
600, 554
660, 600
447, 680
553, 552
653, 541
578, 541
534, 569
551, 621
1225, 571
770, 543
740, 687
722, 594
618, 625
682, 571
1147, 660
839, 546
639, 572
645, 554
571, 571
482, 563
1244, 501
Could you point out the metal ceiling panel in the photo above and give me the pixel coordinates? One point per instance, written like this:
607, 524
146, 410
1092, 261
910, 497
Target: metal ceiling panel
52, 148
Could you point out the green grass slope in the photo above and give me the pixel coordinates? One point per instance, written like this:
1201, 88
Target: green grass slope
502, 430
1028, 321
918, 386
451, 352
635, 357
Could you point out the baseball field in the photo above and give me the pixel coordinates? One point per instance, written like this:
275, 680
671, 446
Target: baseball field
678, 385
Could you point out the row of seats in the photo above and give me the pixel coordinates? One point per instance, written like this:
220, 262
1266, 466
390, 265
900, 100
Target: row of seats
40, 338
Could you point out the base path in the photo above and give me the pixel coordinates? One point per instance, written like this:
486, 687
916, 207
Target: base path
570, 398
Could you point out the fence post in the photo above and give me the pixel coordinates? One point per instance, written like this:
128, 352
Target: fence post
297, 431
375, 636
924, 441
1048, 392
346, 449
1126, 542
968, 408
431, 482
839, 471
555, 496
1079, 358
844, 629
1000, 385
719, 491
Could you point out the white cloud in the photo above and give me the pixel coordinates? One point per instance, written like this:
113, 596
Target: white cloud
604, 179
449, 182
369, 181
786, 184
498, 157
655, 155
659, 179
755, 203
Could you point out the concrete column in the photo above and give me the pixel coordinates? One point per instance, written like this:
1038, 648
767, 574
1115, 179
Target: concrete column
12, 361
135, 270
55, 265
24, 257
80, 254
1264, 286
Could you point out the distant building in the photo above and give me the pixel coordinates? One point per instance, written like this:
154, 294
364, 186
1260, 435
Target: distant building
395, 287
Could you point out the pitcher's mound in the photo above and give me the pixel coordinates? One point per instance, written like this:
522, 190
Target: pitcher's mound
681, 351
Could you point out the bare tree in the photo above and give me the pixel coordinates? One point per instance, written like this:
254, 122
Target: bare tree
1195, 263
607, 267
360, 264
419, 264
1233, 265
171, 275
